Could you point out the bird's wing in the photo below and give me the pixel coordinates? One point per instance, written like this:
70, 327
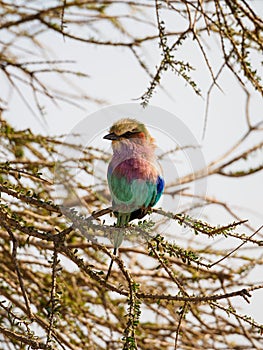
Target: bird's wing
159, 190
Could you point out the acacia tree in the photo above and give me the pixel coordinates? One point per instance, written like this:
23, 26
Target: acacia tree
160, 295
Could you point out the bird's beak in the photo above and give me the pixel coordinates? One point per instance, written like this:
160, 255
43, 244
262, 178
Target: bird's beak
111, 136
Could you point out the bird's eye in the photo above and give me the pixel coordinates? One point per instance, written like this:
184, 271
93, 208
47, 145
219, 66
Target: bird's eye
128, 134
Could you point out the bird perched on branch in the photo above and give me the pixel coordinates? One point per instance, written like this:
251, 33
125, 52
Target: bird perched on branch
134, 175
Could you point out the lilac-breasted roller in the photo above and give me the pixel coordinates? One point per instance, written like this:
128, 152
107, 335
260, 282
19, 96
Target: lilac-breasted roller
134, 175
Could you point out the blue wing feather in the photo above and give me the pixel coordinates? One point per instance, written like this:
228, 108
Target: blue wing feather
160, 185
159, 190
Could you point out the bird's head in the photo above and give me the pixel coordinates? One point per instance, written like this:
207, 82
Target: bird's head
129, 131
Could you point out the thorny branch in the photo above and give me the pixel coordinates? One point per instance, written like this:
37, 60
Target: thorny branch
230, 22
53, 258
158, 273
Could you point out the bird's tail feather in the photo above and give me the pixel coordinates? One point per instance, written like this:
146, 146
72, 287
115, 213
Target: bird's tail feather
111, 263
122, 220
118, 238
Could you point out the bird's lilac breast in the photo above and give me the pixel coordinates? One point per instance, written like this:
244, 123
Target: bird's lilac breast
134, 168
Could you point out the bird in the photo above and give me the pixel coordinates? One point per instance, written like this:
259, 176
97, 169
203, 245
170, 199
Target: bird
134, 175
